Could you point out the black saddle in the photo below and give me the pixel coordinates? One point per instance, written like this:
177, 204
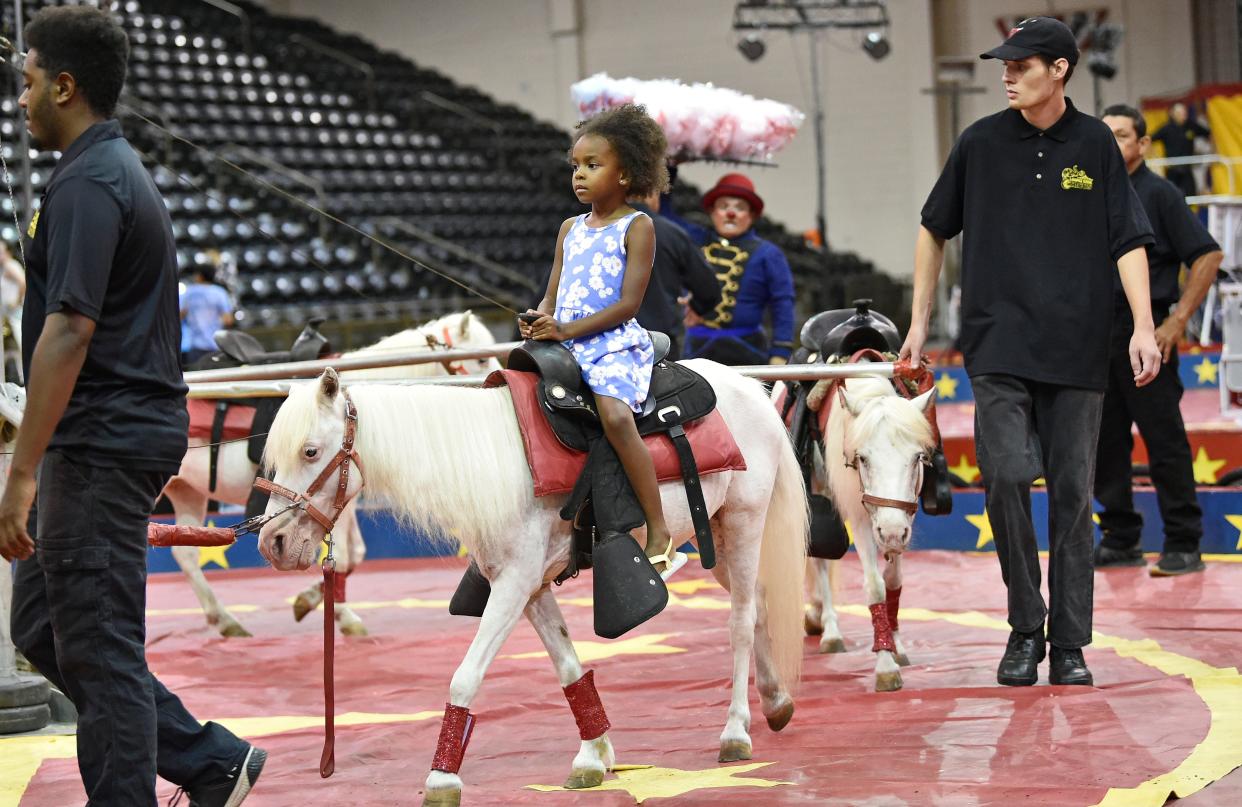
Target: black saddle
563, 391
845, 331
627, 592
238, 349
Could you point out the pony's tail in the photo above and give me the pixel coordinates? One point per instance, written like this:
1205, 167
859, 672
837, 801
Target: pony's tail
782, 565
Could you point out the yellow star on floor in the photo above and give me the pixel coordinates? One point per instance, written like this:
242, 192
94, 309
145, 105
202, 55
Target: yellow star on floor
1236, 521
967, 472
21, 756
985, 529
214, 554
1206, 370
1206, 467
946, 386
648, 645
651, 783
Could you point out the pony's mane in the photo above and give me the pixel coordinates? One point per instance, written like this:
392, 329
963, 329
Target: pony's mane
449, 461
881, 408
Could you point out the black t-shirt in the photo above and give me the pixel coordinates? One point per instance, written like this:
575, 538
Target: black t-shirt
1180, 236
1179, 140
1044, 215
102, 246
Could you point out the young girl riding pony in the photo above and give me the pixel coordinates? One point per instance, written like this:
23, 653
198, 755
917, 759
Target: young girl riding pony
599, 275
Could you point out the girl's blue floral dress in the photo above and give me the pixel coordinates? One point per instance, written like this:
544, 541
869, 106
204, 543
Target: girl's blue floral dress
616, 362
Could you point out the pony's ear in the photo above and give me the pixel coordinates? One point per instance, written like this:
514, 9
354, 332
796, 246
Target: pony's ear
329, 386
845, 400
924, 401
463, 327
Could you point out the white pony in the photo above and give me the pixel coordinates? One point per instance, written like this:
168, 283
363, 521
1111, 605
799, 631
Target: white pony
875, 445
451, 460
235, 473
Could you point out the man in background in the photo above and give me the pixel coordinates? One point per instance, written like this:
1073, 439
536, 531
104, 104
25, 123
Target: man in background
678, 267
1178, 136
1155, 408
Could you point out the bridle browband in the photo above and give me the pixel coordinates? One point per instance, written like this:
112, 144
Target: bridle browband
344, 455
910, 507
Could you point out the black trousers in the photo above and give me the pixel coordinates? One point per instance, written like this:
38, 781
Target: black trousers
79, 617
1025, 429
1156, 410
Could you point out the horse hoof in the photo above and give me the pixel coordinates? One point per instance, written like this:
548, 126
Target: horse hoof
734, 751
902, 659
354, 629
887, 682
781, 717
584, 777
812, 626
234, 630
303, 606
442, 798
832, 646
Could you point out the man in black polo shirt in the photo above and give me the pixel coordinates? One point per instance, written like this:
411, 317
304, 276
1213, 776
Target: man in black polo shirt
1156, 408
1048, 217
104, 429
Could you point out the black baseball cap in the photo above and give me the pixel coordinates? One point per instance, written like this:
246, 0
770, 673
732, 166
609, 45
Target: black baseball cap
1035, 35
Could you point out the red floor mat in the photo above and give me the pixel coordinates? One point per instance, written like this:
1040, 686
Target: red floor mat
950, 737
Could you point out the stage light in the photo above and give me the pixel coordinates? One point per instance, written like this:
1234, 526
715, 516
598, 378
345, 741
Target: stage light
876, 45
752, 47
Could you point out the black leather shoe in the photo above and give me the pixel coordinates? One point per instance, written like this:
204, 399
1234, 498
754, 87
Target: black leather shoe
1107, 557
1068, 667
1175, 563
1019, 667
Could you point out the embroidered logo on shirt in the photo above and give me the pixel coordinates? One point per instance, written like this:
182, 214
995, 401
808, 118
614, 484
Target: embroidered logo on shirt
1075, 179
34, 223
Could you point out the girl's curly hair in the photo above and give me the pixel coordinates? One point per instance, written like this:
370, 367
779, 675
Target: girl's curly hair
638, 141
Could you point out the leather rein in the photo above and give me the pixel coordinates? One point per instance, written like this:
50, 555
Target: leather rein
302, 501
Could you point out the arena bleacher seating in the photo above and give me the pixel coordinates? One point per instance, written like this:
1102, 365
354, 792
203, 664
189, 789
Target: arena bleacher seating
409, 156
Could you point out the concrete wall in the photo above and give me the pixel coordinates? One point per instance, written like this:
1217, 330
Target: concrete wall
885, 145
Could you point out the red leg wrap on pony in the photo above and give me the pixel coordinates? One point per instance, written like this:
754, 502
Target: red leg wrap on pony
891, 600
883, 633
587, 708
454, 737
338, 588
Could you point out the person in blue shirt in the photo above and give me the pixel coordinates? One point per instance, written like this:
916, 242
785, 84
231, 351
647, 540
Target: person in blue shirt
754, 277
205, 309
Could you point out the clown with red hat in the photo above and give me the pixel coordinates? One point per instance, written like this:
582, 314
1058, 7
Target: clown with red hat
754, 279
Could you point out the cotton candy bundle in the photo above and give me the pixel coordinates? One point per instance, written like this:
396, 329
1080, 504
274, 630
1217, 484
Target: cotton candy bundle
700, 121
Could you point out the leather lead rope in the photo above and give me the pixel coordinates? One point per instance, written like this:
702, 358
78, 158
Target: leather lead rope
327, 760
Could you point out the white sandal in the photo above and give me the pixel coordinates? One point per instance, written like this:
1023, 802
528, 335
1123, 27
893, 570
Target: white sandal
672, 559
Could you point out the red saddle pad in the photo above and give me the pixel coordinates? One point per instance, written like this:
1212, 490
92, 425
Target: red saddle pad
237, 421
555, 468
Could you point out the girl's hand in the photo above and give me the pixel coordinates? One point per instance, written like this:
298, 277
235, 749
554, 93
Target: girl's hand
547, 328
527, 319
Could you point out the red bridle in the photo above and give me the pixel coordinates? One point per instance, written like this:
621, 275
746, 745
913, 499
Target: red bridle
344, 455
449, 367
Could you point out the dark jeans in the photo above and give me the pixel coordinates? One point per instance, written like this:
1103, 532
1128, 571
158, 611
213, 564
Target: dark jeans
1025, 429
1156, 409
79, 617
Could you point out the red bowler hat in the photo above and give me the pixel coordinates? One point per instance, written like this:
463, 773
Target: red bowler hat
738, 185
